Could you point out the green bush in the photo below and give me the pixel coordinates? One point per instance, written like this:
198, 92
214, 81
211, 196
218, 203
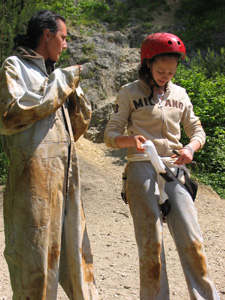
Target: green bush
199, 7
146, 4
208, 98
4, 164
91, 10
212, 62
201, 19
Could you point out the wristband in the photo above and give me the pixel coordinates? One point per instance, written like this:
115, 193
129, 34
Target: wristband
189, 147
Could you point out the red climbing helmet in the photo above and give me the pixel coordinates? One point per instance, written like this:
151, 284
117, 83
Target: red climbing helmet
162, 42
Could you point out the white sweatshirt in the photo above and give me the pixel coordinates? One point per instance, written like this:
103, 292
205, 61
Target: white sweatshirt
156, 119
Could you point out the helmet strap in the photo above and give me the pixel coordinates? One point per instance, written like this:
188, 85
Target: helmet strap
155, 83
151, 77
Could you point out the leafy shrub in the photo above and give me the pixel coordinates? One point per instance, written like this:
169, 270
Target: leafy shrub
91, 10
208, 98
212, 62
147, 4
202, 19
4, 163
65, 7
199, 7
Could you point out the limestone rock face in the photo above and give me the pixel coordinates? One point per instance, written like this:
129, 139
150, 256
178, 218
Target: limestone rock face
109, 61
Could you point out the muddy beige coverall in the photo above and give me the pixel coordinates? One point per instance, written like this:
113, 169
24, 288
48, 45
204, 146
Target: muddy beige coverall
46, 237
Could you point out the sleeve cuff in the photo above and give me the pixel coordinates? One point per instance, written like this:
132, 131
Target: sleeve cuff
201, 141
110, 139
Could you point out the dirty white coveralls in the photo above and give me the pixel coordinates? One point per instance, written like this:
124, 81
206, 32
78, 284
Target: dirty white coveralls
45, 232
158, 120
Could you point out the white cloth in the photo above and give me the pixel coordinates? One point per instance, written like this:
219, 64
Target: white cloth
160, 164
159, 167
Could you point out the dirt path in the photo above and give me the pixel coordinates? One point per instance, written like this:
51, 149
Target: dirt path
111, 231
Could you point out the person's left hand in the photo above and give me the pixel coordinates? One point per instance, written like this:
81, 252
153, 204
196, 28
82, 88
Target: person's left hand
185, 157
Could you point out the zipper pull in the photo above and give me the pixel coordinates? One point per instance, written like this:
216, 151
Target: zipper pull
160, 103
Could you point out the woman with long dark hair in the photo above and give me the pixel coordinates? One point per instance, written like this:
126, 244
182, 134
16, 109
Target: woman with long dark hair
46, 238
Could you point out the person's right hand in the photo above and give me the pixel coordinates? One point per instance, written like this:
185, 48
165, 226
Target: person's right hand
131, 141
138, 141
81, 67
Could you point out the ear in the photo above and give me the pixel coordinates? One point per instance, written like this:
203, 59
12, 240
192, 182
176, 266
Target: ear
47, 35
149, 65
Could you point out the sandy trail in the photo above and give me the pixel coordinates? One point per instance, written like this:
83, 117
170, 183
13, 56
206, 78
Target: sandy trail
111, 233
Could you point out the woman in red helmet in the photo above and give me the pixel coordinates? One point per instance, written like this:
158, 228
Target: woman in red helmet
151, 110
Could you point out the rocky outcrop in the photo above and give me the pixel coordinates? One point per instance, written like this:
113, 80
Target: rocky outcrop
108, 62
111, 59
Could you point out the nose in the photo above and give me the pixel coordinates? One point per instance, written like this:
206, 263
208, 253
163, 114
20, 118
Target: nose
64, 45
166, 77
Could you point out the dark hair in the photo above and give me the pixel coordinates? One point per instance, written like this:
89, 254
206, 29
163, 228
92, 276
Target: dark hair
144, 71
43, 19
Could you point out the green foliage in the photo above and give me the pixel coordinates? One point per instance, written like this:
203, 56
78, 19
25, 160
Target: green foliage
202, 19
146, 4
64, 7
208, 97
212, 62
91, 11
63, 60
118, 14
200, 6
87, 48
88, 52
4, 164
14, 15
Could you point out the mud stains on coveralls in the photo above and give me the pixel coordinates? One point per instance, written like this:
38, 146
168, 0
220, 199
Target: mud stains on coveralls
44, 245
198, 258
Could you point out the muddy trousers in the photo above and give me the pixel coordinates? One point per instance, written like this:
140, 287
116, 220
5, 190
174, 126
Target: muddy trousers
184, 228
49, 246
